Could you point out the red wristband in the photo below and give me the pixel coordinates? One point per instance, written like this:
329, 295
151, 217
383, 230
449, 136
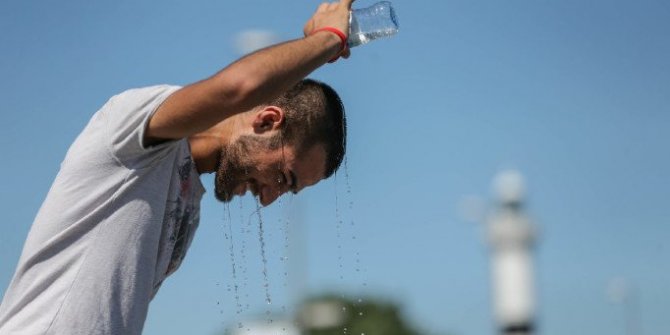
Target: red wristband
340, 34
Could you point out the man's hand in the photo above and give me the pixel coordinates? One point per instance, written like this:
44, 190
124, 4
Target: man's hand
335, 14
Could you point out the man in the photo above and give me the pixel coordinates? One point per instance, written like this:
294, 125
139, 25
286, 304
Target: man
124, 207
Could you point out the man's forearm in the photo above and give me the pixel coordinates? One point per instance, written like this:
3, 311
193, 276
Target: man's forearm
246, 83
252, 80
271, 71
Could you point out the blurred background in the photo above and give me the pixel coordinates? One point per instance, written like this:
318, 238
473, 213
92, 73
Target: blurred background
572, 94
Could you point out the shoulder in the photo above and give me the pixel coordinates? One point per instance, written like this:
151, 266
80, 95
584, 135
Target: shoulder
147, 92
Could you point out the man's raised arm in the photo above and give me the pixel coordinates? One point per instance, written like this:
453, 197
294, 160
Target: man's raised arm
253, 79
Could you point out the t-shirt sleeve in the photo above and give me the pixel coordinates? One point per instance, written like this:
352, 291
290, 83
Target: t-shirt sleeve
126, 118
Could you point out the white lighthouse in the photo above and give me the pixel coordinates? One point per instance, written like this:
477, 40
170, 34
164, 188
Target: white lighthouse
511, 236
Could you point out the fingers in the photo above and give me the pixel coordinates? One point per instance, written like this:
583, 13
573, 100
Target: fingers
308, 28
323, 7
345, 53
334, 14
326, 6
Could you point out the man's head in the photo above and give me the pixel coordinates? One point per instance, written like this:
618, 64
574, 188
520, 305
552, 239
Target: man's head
297, 140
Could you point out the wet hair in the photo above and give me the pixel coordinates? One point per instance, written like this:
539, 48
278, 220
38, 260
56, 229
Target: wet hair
314, 114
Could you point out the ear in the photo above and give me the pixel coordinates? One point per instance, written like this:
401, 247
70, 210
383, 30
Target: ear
268, 118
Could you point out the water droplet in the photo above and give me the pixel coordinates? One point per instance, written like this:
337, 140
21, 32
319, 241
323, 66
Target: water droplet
261, 239
228, 232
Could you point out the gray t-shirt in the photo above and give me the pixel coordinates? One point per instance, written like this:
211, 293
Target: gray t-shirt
117, 221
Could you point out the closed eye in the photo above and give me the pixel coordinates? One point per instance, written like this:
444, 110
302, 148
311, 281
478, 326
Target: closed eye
289, 181
294, 182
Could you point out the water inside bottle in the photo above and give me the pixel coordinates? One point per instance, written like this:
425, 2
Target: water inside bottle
365, 37
372, 23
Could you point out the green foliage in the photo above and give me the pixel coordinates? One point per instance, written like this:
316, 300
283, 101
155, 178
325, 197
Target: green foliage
335, 315
366, 317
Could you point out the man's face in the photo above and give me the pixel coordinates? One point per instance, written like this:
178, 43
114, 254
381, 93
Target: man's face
250, 165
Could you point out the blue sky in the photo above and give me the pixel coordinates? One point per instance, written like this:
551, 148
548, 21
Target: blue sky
574, 94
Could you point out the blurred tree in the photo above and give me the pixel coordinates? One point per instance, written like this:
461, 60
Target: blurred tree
336, 315
356, 317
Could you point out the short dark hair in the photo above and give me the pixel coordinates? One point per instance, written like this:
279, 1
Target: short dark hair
314, 114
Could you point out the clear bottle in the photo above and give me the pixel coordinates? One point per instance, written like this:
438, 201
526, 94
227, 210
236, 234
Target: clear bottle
367, 24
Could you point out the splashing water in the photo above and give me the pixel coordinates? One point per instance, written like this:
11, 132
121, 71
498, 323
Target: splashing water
352, 225
284, 224
245, 230
228, 233
338, 233
261, 239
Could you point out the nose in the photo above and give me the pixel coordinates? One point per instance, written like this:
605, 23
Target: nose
270, 194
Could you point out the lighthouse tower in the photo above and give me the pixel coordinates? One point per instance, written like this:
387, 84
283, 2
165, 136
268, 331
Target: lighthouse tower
511, 236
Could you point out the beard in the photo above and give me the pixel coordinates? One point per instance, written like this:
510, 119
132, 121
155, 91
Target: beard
229, 175
236, 163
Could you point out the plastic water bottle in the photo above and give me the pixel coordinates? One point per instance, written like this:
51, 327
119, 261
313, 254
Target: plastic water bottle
367, 24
